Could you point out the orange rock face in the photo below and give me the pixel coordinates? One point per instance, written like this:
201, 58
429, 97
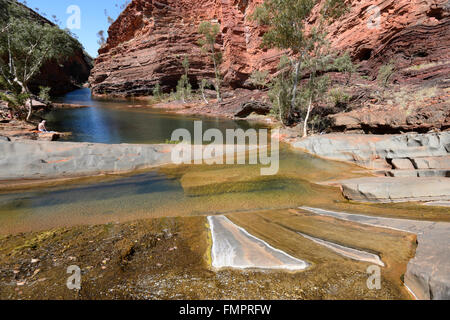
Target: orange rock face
147, 43
407, 32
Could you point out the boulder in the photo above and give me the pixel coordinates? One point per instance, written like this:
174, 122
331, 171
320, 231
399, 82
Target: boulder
432, 162
258, 107
402, 164
48, 136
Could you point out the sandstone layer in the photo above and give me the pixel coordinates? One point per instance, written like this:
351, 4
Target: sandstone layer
146, 44
382, 151
416, 166
50, 160
42, 159
405, 189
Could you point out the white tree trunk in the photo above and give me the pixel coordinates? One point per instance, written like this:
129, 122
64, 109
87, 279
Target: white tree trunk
203, 95
30, 109
294, 87
305, 126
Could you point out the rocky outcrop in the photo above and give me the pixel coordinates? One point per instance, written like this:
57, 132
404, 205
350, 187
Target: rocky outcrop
257, 107
385, 189
50, 160
15, 130
396, 118
146, 41
416, 166
378, 151
41, 159
407, 32
69, 75
146, 45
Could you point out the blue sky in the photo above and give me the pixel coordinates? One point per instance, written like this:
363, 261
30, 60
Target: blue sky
92, 17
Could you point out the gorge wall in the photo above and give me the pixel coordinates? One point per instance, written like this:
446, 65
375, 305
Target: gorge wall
146, 44
61, 76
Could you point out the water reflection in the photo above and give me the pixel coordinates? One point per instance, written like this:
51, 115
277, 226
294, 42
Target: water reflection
109, 121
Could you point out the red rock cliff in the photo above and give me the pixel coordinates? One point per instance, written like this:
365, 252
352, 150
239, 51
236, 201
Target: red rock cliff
147, 42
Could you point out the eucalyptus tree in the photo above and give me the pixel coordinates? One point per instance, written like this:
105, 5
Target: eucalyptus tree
308, 53
26, 45
210, 31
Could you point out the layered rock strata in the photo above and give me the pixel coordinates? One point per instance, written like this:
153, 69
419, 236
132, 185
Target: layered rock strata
146, 44
416, 166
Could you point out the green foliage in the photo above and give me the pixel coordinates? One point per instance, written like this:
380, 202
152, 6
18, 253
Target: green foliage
3, 12
339, 97
185, 65
259, 79
44, 94
280, 92
14, 97
26, 45
157, 92
32, 44
345, 64
385, 74
280, 96
15, 100
184, 88
210, 32
286, 20
334, 9
203, 85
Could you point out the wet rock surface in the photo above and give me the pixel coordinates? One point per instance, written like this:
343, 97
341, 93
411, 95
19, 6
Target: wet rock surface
428, 274
142, 261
